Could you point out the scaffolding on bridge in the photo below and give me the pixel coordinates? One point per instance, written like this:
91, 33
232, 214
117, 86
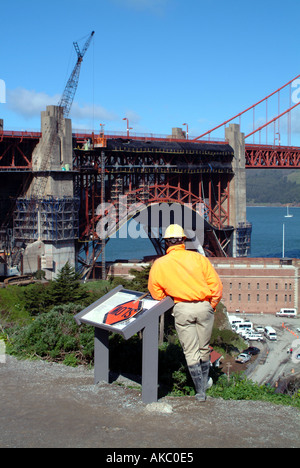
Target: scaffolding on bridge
243, 239
53, 219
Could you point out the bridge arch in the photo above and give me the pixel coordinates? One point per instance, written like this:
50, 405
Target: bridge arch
153, 208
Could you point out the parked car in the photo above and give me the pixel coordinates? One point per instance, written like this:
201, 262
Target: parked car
243, 358
250, 335
252, 350
254, 337
270, 333
259, 329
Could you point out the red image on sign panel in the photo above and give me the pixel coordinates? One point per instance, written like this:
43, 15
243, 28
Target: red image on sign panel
123, 312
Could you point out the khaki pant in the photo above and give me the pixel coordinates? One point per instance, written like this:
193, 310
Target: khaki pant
194, 323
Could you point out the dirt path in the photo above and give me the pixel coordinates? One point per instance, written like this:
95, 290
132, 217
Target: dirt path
51, 405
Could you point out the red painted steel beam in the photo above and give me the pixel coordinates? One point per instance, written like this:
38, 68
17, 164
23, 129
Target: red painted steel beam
272, 157
20, 134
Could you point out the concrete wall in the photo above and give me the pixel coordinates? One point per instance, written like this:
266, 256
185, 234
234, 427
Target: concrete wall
49, 257
57, 138
58, 255
54, 153
32, 257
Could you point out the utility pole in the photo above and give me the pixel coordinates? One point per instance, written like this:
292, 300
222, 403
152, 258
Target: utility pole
228, 368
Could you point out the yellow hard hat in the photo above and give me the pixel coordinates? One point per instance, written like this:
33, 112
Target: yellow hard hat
174, 231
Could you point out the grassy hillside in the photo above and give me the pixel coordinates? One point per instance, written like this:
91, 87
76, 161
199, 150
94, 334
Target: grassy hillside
278, 186
294, 176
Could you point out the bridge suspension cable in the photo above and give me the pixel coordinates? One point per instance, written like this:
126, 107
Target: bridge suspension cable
268, 122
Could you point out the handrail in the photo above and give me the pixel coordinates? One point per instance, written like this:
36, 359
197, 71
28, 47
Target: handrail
142, 137
85, 134
20, 134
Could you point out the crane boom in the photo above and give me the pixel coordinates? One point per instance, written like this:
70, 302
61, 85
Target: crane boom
71, 86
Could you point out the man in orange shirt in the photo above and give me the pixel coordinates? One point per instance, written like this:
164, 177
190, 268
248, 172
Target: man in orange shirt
190, 279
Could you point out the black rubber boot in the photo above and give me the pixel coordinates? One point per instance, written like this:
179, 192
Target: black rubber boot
205, 366
199, 382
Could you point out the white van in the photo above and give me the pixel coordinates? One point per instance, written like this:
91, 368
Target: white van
270, 333
287, 313
233, 320
245, 325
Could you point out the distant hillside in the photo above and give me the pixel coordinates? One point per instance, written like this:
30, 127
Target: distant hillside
266, 186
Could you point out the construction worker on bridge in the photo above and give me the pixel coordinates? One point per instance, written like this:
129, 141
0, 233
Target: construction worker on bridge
190, 279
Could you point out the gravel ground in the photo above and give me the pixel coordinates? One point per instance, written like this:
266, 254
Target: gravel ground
50, 405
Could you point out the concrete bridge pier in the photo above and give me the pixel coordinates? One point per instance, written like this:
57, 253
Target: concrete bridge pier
237, 213
46, 217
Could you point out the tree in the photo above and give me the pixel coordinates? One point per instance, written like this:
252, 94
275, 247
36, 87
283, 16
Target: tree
66, 286
140, 281
36, 298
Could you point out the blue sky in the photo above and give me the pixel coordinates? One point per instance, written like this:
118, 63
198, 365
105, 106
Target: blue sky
160, 63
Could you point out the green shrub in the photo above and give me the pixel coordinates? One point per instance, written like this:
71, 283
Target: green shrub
226, 340
238, 387
53, 335
37, 298
12, 304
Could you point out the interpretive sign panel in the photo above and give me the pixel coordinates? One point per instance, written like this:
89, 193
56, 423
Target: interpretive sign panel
127, 312
118, 311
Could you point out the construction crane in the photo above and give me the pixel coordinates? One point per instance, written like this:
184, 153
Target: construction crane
71, 86
39, 184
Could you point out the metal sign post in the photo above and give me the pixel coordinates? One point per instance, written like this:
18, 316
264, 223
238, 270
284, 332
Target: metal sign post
118, 305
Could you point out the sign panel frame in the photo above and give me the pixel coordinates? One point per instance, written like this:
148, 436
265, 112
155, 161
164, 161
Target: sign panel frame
147, 321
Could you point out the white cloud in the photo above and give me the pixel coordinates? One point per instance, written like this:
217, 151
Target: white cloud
132, 116
88, 112
29, 103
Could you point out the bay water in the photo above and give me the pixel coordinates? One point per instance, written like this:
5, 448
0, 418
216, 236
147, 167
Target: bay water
266, 241
268, 226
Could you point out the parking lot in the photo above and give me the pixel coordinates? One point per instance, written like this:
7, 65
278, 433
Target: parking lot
274, 362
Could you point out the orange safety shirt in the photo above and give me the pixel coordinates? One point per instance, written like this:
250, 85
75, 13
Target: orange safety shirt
186, 276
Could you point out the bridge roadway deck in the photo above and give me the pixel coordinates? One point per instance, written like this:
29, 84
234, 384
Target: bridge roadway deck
14, 158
